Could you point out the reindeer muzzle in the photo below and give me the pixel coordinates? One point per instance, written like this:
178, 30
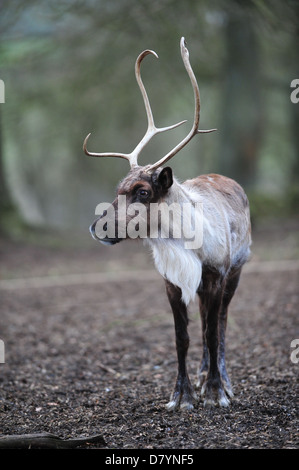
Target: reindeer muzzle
104, 240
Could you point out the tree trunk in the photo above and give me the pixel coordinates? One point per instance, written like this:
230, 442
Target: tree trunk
242, 115
6, 205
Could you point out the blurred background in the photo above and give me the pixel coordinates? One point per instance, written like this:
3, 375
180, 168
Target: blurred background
68, 69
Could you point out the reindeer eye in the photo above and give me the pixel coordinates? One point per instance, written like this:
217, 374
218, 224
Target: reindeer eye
143, 193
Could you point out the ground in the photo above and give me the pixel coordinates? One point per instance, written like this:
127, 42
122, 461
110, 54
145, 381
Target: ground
89, 347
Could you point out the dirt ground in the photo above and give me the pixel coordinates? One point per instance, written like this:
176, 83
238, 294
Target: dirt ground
89, 347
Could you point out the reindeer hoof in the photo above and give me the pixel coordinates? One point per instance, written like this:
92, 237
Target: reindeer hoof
210, 402
173, 405
184, 400
214, 395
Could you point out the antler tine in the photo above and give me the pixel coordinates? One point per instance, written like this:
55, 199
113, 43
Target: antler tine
105, 154
194, 130
152, 130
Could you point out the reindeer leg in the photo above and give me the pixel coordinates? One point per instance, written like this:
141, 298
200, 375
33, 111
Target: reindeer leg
211, 294
183, 395
204, 366
230, 288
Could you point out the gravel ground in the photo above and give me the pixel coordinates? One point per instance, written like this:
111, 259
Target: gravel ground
87, 355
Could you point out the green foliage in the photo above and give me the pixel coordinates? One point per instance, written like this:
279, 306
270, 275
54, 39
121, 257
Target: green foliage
68, 69
265, 206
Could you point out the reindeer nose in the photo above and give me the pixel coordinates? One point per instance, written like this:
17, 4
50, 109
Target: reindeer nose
92, 230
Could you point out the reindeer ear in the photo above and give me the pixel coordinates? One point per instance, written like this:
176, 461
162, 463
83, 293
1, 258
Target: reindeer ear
165, 177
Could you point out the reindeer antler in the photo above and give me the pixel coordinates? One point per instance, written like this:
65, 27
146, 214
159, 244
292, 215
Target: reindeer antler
152, 130
194, 130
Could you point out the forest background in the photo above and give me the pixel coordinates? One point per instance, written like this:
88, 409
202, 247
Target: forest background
67, 69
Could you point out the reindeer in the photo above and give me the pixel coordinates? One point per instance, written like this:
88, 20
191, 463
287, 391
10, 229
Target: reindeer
211, 271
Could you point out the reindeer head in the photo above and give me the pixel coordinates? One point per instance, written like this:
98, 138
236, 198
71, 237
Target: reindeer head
144, 184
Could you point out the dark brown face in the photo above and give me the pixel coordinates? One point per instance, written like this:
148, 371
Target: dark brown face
138, 189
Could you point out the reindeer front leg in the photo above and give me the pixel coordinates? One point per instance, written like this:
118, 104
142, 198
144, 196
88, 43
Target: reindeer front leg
183, 395
213, 379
